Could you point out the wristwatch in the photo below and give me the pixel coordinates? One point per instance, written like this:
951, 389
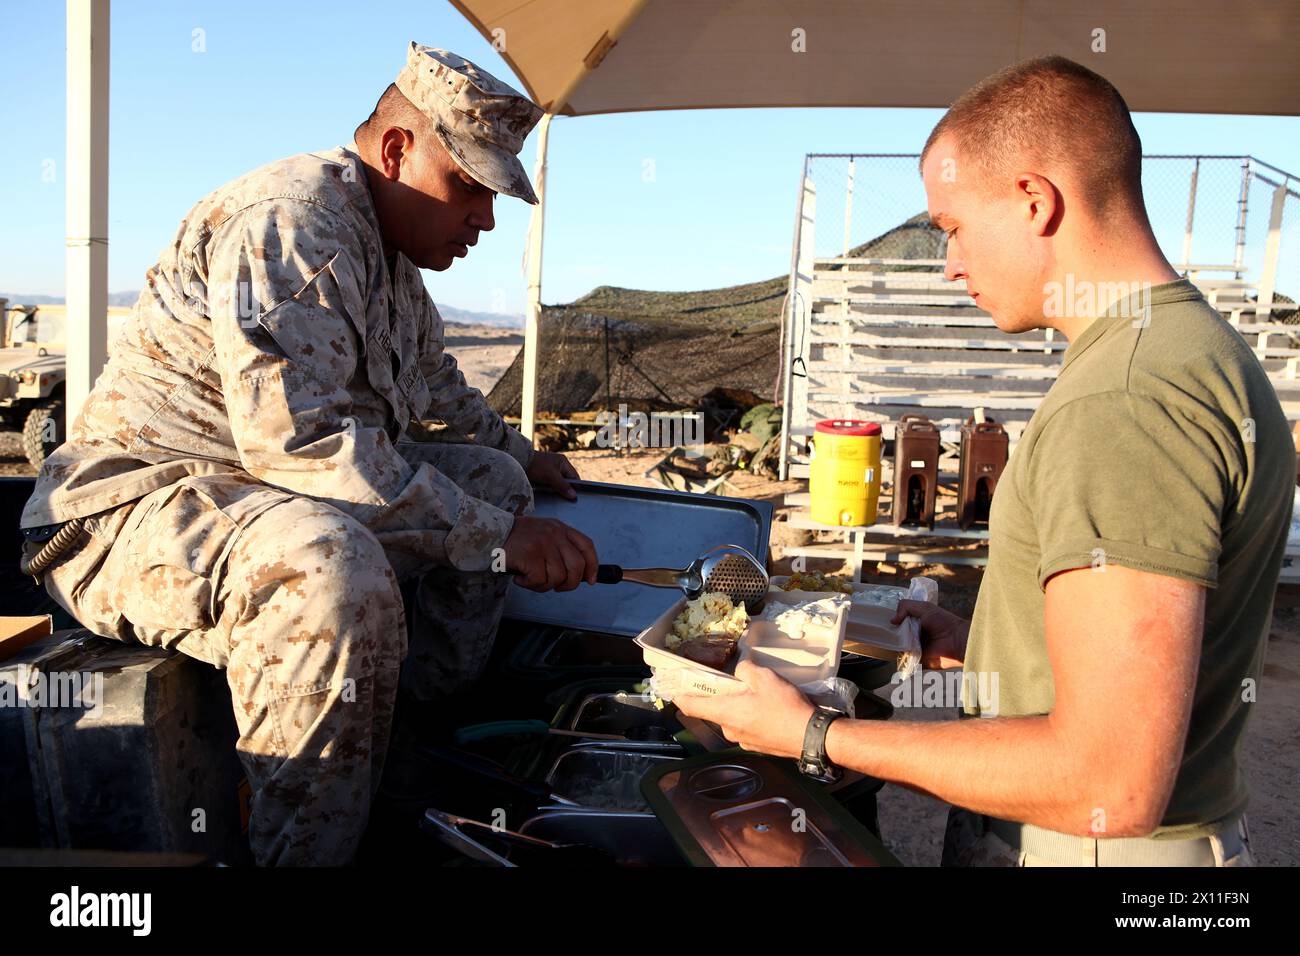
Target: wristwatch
813, 761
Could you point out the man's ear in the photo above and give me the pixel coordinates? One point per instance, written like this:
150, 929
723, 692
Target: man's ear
395, 145
1039, 201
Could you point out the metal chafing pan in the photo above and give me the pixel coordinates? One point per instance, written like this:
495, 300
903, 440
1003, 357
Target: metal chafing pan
630, 716
604, 777
637, 528
631, 839
743, 809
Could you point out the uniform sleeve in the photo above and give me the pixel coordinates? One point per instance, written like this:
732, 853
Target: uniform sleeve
1119, 478
286, 285
453, 401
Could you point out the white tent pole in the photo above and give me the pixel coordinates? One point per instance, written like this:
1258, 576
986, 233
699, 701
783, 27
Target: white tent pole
537, 225
86, 280
536, 229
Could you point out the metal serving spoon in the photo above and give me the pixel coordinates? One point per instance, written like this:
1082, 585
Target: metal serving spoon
728, 568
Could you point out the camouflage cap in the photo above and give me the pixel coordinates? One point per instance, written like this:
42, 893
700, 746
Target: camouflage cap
481, 121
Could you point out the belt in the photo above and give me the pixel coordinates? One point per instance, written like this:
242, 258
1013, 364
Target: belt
1065, 849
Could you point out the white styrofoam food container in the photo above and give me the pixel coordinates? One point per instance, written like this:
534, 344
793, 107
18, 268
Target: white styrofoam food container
871, 608
763, 642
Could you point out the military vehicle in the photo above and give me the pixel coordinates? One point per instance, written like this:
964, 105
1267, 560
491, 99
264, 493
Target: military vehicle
33, 370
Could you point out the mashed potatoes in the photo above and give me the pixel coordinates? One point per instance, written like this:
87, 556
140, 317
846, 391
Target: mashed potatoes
710, 615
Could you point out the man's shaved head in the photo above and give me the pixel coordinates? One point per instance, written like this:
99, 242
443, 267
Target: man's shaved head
393, 109
1051, 116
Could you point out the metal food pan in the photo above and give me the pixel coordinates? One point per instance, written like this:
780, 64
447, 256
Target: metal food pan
629, 715
637, 528
631, 839
745, 809
604, 778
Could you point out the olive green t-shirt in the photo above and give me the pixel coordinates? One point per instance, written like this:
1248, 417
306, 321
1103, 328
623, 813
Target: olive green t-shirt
1162, 447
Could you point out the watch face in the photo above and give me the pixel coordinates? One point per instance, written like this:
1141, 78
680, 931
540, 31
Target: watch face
819, 771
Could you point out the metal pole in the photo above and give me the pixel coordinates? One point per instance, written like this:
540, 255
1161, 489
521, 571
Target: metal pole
1191, 215
86, 218
787, 349
848, 208
1241, 218
537, 225
1268, 277
532, 324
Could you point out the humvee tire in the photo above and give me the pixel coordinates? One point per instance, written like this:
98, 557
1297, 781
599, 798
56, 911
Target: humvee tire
40, 439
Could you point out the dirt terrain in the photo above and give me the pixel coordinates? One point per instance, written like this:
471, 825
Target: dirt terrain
482, 352
912, 824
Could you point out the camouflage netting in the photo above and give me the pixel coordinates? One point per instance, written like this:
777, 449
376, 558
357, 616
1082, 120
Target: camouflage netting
913, 238
667, 349
662, 349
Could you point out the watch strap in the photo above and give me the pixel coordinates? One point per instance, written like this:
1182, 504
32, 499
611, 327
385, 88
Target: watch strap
813, 761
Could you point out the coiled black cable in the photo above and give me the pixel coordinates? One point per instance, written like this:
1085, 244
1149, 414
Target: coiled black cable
43, 558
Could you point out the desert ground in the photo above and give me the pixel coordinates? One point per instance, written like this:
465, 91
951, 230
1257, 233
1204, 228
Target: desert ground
912, 824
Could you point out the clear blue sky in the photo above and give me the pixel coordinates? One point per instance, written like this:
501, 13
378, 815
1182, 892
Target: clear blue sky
285, 76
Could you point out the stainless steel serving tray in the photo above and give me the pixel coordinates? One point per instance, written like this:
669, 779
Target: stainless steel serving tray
745, 809
637, 528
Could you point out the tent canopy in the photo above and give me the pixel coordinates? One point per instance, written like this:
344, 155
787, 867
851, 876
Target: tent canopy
582, 57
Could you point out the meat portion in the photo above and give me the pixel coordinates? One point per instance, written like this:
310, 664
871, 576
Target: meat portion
711, 650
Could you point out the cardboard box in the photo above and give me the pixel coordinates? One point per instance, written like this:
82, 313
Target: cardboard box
17, 632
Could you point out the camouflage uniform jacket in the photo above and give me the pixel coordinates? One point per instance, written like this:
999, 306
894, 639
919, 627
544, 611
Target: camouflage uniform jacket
274, 337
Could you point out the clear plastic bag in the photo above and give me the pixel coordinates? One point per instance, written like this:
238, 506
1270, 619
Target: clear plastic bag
909, 659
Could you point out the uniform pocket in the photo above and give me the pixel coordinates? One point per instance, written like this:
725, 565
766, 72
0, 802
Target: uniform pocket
174, 558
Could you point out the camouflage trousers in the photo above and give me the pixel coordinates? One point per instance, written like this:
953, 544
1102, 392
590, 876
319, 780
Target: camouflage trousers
968, 841
300, 605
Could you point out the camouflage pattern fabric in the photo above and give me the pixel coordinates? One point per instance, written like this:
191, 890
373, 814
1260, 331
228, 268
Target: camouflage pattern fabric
273, 339
252, 501
300, 604
455, 613
481, 121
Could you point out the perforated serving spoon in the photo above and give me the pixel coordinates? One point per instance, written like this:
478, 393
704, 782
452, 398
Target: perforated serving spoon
728, 568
